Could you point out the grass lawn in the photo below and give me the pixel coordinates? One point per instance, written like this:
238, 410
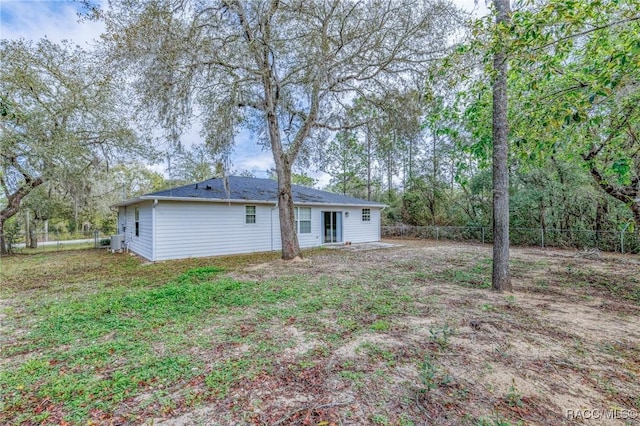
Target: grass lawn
408, 335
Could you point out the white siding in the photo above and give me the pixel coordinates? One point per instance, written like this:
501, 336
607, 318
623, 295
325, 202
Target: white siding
357, 231
200, 229
121, 220
304, 240
314, 239
141, 244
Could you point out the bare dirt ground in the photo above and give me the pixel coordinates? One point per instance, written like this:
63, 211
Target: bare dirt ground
563, 348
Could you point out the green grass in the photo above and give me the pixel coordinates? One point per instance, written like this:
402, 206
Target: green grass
111, 330
95, 351
94, 338
87, 353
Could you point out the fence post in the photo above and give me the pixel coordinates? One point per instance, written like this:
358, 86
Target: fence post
437, 232
542, 236
622, 237
482, 235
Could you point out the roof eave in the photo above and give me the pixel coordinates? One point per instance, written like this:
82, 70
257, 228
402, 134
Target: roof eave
128, 202
341, 204
144, 198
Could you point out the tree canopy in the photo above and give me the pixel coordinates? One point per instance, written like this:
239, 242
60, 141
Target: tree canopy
59, 116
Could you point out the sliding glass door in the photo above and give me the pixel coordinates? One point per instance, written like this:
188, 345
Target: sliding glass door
331, 227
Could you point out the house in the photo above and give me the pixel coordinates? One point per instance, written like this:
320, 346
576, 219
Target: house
239, 215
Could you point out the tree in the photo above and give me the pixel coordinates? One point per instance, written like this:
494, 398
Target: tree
58, 117
129, 180
581, 89
284, 67
343, 160
574, 89
296, 178
501, 278
195, 164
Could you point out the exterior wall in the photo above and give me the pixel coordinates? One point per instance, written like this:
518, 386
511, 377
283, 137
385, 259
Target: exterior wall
143, 243
314, 239
354, 229
201, 229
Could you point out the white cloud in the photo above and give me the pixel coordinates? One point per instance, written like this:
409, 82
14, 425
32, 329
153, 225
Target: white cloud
322, 179
55, 20
258, 163
478, 7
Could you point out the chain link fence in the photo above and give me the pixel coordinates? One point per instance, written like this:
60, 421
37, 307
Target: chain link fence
20, 243
613, 241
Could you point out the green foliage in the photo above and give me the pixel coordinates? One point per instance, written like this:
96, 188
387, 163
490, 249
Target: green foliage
224, 374
345, 159
380, 419
423, 202
573, 87
194, 164
441, 335
296, 179
380, 325
11, 234
431, 375
130, 180
62, 121
513, 396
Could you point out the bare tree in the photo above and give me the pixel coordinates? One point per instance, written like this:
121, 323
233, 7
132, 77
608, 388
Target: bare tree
284, 67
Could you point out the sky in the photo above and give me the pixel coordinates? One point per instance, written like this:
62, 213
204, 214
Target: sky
59, 20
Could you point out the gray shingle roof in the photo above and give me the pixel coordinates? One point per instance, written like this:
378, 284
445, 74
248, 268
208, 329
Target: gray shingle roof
254, 189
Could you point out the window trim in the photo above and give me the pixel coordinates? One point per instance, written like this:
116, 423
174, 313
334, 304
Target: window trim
248, 215
136, 220
366, 217
298, 221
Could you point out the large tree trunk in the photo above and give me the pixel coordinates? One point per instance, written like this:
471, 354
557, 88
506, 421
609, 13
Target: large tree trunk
288, 231
13, 205
3, 244
501, 279
635, 209
629, 194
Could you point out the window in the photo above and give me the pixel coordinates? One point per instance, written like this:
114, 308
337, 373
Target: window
250, 214
303, 220
137, 220
366, 215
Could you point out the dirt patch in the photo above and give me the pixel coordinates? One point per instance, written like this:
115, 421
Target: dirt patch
546, 350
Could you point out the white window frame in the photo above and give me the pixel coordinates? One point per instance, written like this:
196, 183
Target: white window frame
299, 220
248, 215
366, 215
136, 220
